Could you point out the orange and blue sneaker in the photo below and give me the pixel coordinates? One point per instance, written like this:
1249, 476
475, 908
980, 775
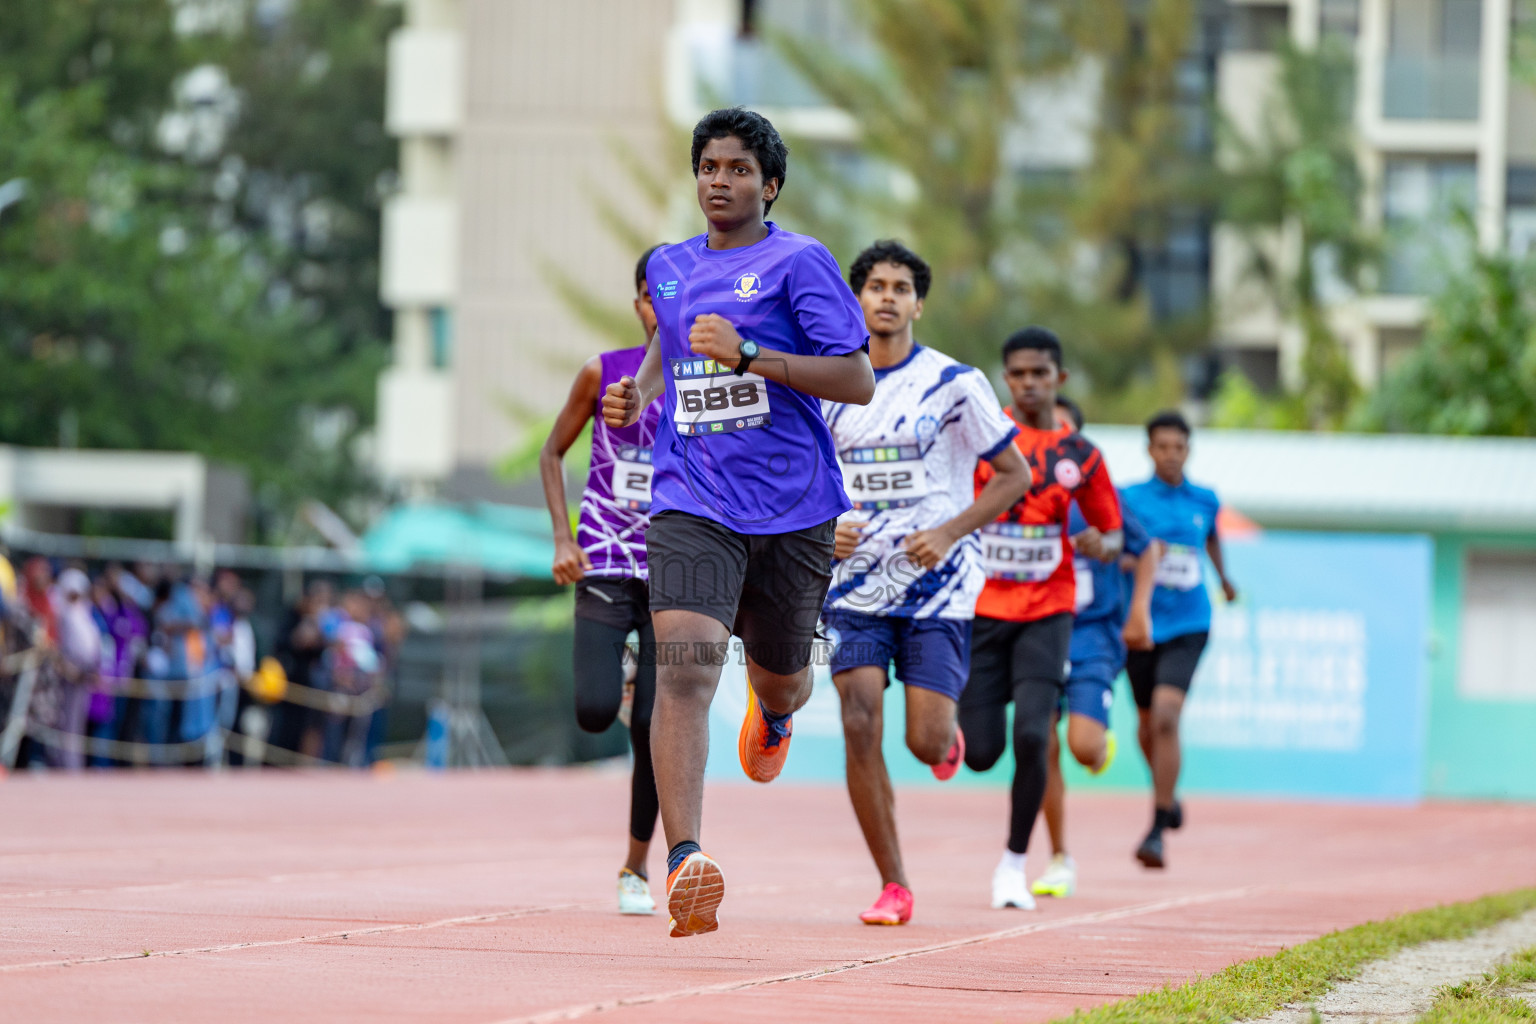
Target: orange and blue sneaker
893, 907
763, 746
946, 769
694, 891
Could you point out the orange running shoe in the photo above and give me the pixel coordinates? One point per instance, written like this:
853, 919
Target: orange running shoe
946, 769
762, 746
694, 892
893, 907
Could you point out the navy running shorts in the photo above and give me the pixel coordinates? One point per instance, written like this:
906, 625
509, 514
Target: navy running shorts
931, 654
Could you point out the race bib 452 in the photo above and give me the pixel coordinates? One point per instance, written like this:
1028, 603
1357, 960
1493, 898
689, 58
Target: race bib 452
891, 476
712, 399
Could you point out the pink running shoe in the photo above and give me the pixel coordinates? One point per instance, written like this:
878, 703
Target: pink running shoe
946, 769
893, 907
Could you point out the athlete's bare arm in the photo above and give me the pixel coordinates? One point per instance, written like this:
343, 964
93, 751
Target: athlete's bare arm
571, 563
626, 398
1213, 548
1137, 633
1011, 478
847, 378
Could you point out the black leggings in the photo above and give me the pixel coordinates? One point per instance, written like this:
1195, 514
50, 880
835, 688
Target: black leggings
1035, 702
599, 673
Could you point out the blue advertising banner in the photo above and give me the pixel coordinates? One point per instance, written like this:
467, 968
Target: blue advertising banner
1313, 683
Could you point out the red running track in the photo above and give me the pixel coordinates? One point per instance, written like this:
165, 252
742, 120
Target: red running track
488, 897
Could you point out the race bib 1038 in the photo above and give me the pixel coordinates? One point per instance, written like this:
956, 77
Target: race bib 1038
890, 476
712, 399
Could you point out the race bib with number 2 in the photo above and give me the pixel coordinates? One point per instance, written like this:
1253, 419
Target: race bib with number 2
632, 477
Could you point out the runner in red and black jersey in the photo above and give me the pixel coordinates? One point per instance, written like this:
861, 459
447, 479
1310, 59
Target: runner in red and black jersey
1023, 629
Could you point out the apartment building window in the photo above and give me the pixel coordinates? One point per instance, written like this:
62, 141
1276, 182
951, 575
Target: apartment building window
1177, 268
1339, 19
1520, 211
1397, 344
1421, 199
441, 319
1431, 69
1260, 28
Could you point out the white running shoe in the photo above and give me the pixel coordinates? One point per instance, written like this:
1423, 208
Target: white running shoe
1009, 889
634, 894
1060, 879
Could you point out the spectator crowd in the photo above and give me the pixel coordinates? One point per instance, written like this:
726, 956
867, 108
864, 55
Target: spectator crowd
145, 664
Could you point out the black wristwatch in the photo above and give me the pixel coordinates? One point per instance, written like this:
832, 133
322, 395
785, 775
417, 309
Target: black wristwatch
748, 350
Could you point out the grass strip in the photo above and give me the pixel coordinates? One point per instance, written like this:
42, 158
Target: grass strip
1301, 973
1486, 1000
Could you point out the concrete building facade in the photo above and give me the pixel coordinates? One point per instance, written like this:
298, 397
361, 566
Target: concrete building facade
520, 123
515, 118
1440, 121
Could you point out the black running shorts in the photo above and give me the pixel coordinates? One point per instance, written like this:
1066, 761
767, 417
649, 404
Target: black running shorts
1004, 654
767, 589
1170, 663
618, 601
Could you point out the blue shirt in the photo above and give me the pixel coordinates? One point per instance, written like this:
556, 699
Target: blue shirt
1110, 589
748, 453
1183, 518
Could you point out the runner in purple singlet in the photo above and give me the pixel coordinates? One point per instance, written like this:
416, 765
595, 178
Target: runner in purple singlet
606, 562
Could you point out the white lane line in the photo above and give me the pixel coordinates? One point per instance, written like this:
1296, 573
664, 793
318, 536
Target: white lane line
412, 926
1116, 914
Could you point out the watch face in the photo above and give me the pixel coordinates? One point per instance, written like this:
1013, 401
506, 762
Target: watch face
749, 349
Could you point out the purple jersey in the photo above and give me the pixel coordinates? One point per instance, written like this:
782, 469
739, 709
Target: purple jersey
749, 453
616, 504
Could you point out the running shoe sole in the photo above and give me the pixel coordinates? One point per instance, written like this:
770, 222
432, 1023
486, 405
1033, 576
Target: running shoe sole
694, 893
1150, 856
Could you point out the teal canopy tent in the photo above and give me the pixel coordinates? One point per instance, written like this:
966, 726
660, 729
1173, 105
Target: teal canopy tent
500, 540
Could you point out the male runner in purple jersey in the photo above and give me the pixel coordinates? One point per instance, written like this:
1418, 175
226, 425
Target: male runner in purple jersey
606, 561
754, 326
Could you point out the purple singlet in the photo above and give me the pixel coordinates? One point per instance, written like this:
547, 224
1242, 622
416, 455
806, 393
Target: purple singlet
616, 504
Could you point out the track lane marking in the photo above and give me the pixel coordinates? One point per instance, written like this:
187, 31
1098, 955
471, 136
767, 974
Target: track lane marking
1098, 916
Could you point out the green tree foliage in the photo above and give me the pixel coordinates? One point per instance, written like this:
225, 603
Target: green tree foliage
940, 96
1298, 181
1475, 372
142, 302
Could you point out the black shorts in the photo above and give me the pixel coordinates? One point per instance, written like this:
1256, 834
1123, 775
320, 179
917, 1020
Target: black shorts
622, 602
1170, 663
767, 589
1004, 654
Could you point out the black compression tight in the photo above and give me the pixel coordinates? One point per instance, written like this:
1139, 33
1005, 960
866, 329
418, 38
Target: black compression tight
1034, 703
599, 673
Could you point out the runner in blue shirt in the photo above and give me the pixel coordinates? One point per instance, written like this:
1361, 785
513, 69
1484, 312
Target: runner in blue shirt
1113, 612
1181, 516
754, 327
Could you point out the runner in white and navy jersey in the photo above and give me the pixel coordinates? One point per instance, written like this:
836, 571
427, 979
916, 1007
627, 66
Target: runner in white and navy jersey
909, 570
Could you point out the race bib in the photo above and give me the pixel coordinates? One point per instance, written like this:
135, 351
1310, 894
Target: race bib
888, 477
1180, 568
712, 399
1027, 554
632, 477
1084, 570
